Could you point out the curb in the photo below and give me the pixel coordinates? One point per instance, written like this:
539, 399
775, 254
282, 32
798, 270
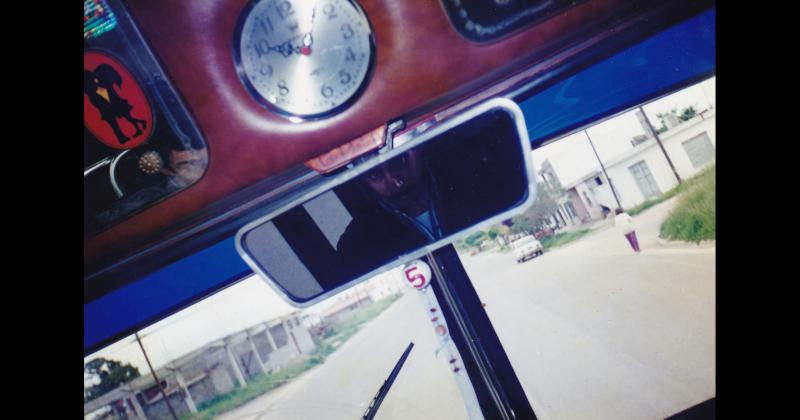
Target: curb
684, 244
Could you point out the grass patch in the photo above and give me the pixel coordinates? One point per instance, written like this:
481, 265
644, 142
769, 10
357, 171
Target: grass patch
263, 383
561, 239
694, 218
687, 184
646, 205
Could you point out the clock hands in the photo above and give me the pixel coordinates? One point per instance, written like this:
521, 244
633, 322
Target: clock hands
308, 39
286, 48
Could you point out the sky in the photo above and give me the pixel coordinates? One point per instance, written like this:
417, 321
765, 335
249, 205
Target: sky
252, 300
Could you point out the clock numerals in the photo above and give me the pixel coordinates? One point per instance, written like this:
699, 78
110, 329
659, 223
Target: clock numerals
284, 8
327, 91
262, 47
350, 55
347, 31
282, 88
265, 70
266, 25
329, 11
344, 77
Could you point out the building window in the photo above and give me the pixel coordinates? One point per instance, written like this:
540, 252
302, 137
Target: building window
647, 184
699, 149
278, 334
262, 345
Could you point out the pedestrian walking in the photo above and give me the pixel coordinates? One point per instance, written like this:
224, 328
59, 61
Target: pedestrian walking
624, 222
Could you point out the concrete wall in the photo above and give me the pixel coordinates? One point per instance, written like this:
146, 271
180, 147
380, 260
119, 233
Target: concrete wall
205, 390
247, 362
209, 360
283, 335
578, 204
262, 345
593, 209
160, 411
602, 194
301, 334
221, 380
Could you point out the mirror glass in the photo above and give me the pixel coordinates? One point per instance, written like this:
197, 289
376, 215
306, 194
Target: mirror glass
460, 174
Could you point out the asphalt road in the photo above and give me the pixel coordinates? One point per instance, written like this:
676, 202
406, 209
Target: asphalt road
596, 331
593, 330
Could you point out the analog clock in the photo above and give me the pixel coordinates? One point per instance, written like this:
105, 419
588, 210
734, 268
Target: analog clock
302, 58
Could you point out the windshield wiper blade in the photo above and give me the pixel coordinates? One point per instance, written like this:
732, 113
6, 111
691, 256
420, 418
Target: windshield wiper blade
376, 402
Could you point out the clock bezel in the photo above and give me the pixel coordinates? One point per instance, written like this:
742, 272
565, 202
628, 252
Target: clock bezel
292, 116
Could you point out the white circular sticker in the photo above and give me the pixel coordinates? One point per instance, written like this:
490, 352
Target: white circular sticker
418, 274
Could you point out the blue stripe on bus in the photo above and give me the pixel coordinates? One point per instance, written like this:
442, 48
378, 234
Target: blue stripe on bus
670, 58
161, 292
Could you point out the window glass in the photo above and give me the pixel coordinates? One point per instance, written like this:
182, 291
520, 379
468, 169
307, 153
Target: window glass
593, 328
244, 354
699, 150
644, 179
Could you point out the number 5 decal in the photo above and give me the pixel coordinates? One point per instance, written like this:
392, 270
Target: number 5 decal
418, 274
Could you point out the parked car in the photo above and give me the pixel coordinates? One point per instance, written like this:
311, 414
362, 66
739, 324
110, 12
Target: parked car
527, 247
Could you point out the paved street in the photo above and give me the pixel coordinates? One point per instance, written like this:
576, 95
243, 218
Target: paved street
593, 330
596, 331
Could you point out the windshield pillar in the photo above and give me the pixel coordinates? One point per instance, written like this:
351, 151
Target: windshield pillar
497, 388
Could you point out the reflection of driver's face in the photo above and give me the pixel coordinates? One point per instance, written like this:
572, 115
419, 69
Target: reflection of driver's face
398, 182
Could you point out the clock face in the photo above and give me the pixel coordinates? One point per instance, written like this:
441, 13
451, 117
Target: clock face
304, 58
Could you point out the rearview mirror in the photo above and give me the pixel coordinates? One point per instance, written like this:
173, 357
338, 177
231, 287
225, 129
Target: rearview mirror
468, 171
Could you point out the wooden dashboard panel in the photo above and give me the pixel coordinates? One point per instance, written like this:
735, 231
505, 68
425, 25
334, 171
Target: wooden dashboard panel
422, 62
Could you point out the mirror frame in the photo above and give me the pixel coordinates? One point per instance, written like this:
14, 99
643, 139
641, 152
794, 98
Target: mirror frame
504, 104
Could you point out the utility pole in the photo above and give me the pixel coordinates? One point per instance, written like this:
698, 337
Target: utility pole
613, 191
658, 140
158, 383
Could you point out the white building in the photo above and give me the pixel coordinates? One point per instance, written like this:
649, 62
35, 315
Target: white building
638, 174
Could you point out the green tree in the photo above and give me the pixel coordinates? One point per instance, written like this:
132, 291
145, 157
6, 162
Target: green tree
662, 117
541, 211
687, 113
111, 374
475, 239
493, 232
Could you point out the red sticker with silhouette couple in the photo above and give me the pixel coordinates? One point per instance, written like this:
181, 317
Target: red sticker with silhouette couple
115, 108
